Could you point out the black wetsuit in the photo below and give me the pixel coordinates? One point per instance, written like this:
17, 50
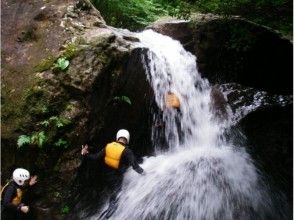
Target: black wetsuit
127, 159
10, 211
115, 176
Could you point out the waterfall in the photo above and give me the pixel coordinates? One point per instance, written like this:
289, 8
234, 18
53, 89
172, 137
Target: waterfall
200, 174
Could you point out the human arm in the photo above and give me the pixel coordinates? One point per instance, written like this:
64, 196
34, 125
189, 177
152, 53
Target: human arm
132, 161
33, 180
85, 153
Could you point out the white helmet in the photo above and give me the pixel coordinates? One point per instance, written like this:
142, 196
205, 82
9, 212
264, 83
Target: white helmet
20, 175
122, 133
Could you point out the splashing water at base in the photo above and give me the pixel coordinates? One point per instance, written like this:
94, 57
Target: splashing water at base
200, 176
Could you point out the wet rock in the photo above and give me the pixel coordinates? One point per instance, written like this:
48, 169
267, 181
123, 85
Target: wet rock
243, 100
269, 133
42, 213
235, 50
219, 103
177, 29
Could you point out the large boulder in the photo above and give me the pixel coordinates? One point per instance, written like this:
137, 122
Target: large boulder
235, 50
269, 133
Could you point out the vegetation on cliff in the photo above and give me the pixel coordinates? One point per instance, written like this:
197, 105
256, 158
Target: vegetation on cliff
133, 14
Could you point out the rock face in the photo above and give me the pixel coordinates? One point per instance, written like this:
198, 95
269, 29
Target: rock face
104, 88
269, 132
235, 50
33, 35
84, 103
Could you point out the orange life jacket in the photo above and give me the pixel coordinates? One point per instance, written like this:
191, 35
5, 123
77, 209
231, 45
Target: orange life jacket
113, 152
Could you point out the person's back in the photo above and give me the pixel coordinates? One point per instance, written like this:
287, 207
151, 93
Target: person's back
116, 155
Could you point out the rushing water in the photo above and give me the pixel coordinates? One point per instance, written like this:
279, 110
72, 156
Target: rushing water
200, 175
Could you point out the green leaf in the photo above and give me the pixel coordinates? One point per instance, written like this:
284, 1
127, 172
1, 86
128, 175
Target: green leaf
53, 118
126, 99
61, 143
59, 122
23, 140
39, 138
62, 63
123, 99
44, 123
65, 209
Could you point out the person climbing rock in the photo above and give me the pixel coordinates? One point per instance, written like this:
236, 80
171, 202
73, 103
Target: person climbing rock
12, 194
118, 157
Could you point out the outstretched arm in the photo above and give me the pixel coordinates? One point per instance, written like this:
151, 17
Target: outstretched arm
132, 161
85, 153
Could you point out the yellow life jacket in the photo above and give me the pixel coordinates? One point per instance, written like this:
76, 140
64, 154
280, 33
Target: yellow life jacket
113, 152
18, 197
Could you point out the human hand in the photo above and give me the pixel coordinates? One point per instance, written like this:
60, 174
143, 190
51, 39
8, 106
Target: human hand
140, 170
24, 209
84, 150
33, 180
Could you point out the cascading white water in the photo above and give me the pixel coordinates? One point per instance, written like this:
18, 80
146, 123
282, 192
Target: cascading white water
200, 176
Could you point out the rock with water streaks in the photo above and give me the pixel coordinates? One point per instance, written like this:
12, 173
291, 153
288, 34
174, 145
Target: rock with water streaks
235, 50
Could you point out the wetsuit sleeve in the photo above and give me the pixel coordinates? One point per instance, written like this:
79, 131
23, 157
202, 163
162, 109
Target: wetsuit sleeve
96, 156
132, 161
9, 194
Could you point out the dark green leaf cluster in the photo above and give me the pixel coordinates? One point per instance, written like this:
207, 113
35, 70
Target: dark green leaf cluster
45, 134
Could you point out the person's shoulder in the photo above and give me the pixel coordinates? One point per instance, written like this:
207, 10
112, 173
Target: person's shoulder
128, 149
11, 186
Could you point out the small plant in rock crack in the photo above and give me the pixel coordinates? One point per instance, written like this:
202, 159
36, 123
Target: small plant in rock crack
37, 138
122, 99
61, 64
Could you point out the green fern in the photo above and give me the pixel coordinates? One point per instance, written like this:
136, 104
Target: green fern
23, 140
39, 138
61, 143
59, 121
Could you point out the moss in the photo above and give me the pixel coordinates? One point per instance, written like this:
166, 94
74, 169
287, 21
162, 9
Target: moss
45, 64
71, 50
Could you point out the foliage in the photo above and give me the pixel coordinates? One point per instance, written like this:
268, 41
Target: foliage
65, 209
133, 14
23, 140
37, 138
46, 133
45, 64
276, 14
61, 63
61, 143
122, 99
70, 51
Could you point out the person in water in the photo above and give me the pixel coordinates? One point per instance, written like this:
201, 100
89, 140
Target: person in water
12, 206
118, 157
